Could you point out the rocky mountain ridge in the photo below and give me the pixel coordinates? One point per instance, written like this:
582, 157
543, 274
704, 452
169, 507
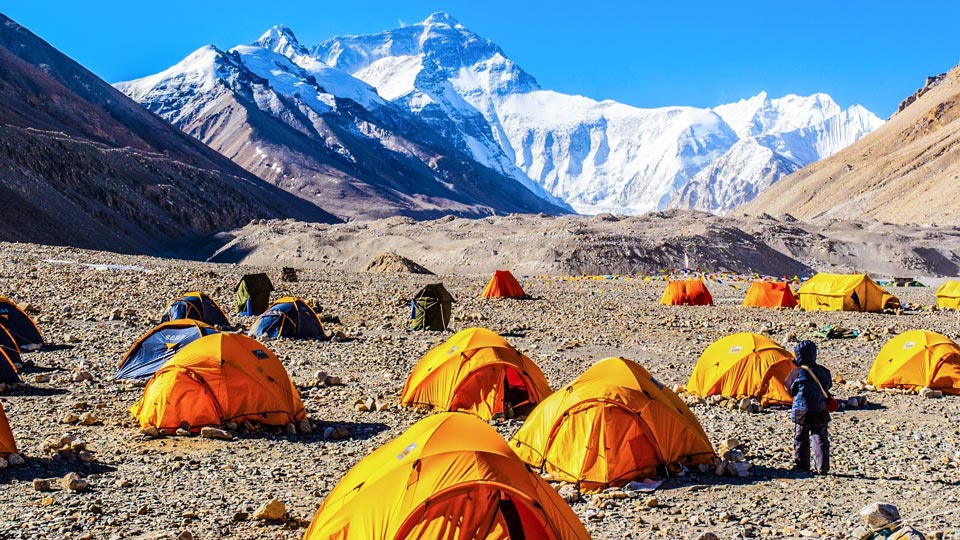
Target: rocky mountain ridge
81, 164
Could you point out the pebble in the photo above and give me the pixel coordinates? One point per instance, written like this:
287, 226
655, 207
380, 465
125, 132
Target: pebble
209, 432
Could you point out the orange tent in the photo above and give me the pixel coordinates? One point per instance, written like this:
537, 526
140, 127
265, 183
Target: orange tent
7, 444
770, 294
743, 365
449, 477
918, 359
503, 285
612, 424
475, 371
9, 357
217, 378
692, 292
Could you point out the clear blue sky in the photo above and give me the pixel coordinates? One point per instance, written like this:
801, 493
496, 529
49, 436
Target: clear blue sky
647, 54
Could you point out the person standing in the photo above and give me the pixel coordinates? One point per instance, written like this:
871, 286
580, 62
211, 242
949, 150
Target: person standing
809, 384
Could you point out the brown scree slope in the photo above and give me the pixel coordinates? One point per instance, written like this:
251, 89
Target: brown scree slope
907, 171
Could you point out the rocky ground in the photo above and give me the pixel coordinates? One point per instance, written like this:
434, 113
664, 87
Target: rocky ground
605, 244
900, 448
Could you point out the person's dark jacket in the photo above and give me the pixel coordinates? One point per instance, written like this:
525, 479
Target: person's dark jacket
809, 403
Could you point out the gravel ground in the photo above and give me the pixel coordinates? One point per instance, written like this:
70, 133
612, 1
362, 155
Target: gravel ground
900, 448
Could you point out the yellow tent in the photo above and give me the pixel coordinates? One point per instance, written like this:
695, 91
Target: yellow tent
217, 378
844, 292
612, 424
449, 477
475, 371
743, 365
916, 359
948, 295
7, 444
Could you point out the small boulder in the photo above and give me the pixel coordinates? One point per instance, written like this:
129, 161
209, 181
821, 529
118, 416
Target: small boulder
45, 484
15, 459
73, 482
272, 510
879, 515
930, 393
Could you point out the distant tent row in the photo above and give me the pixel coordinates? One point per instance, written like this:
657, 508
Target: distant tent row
822, 292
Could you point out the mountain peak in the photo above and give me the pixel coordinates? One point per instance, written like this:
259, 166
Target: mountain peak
440, 17
278, 38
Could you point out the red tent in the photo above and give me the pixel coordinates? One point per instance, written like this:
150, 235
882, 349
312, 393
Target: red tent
503, 285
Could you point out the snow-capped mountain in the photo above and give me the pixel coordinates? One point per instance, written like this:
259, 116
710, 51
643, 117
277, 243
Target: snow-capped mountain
325, 135
596, 156
435, 87
734, 178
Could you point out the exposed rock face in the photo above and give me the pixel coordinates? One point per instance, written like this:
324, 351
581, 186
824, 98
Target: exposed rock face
930, 83
393, 263
904, 172
83, 165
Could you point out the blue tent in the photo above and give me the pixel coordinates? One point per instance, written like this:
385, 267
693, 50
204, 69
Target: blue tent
288, 317
20, 326
196, 306
157, 346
